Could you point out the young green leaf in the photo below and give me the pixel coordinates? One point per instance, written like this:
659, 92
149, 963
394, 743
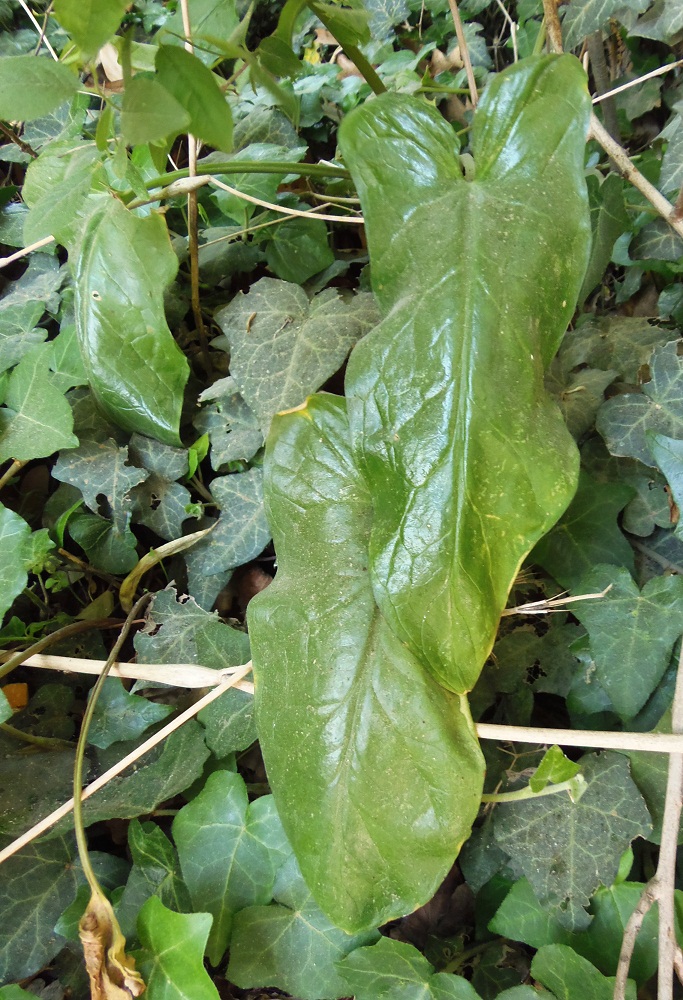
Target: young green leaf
171, 959
376, 770
283, 346
632, 632
31, 86
195, 87
90, 22
136, 371
446, 444
230, 852
291, 945
567, 848
553, 769
392, 967
14, 538
155, 872
571, 977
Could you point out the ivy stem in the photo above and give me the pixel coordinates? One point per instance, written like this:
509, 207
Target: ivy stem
526, 793
464, 52
79, 828
44, 742
251, 167
15, 467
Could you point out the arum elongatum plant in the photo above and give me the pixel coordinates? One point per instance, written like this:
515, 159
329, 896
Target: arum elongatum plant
402, 513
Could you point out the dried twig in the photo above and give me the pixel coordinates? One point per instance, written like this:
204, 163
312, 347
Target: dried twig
641, 79
4, 261
464, 52
617, 153
41, 34
660, 888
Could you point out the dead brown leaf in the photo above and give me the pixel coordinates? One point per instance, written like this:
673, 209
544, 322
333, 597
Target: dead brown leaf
112, 973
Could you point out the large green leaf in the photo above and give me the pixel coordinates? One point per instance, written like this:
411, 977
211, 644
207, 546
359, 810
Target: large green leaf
14, 540
136, 370
375, 769
467, 459
398, 969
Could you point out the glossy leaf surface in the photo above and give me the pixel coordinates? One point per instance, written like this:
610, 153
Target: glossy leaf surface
467, 459
136, 371
376, 770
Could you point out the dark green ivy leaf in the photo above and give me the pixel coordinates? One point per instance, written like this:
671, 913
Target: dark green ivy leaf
632, 632
587, 534
101, 468
392, 968
625, 420
571, 977
120, 715
291, 944
171, 959
566, 849
155, 872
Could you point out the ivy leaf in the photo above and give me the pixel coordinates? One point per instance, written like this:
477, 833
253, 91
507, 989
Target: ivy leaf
437, 508
400, 971
233, 428
229, 722
656, 241
160, 774
161, 505
65, 360
36, 886
618, 343
107, 547
632, 632
161, 459
583, 17
650, 773
31, 86
155, 872
554, 768
14, 538
36, 420
230, 852
579, 396
668, 454
179, 631
241, 532
299, 249
609, 220
625, 420
663, 22
587, 534
292, 946
571, 977
120, 715
283, 346
378, 789
90, 23
566, 849
520, 917
136, 371
171, 959
195, 87
100, 468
